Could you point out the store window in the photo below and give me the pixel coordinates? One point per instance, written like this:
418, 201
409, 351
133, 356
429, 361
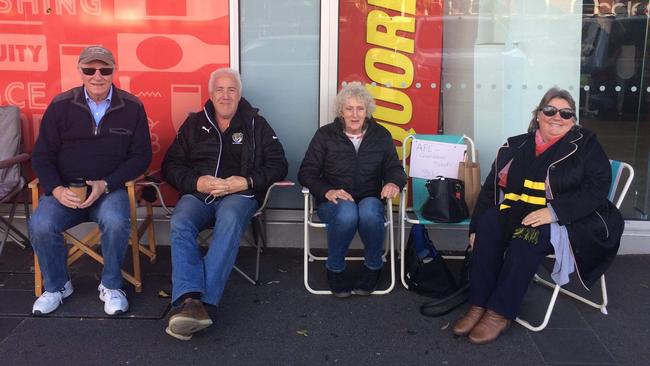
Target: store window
279, 62
499, 58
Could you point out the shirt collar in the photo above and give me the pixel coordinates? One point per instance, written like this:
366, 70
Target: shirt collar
108, 97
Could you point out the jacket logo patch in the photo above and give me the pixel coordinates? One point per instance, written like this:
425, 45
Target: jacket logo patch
237, 138
206, 129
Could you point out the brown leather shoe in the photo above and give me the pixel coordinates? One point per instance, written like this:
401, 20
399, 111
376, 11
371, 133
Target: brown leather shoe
489, 328
464, 325
188, 319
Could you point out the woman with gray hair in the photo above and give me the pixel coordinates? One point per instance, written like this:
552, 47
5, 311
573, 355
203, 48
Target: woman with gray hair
546, 193
350, 165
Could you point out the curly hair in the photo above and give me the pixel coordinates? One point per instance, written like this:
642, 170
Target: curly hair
354, 89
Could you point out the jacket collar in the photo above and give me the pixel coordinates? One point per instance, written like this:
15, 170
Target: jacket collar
245, 112
370, 125
79, 98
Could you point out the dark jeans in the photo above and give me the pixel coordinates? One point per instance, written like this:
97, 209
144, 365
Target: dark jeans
502, 269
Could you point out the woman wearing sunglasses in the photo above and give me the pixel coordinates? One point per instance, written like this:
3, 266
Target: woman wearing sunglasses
546, 193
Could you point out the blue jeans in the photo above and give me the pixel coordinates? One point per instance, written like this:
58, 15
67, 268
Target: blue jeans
343, 220
46, 226
193, 272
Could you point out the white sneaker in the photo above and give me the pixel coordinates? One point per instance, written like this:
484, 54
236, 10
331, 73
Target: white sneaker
50, 301
114, 300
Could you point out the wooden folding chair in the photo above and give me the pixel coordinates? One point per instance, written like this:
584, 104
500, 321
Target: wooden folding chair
86, 245
615, 190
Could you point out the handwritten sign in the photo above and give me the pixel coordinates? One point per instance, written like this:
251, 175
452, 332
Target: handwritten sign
430, 159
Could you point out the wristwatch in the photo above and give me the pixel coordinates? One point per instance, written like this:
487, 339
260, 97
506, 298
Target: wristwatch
106, 191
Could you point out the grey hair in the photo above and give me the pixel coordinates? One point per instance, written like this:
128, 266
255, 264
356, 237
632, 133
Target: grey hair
552, 93
355, 90
224, 71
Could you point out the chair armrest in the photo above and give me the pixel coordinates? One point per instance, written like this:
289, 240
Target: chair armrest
283, 183
20, 158
34, 184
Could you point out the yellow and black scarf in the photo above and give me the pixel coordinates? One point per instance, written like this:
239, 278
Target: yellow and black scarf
525, 190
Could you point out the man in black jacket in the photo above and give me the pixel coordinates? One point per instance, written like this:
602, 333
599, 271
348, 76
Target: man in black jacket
222, 161
97, 134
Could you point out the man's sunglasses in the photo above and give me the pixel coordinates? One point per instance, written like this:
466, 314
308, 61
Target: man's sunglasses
90, 71
565, 113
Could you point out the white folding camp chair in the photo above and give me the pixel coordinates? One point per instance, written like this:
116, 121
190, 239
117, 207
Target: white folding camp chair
412, 215
311, 221
614, 191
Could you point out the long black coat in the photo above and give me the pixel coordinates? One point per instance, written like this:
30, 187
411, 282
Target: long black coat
331, 162
580, 178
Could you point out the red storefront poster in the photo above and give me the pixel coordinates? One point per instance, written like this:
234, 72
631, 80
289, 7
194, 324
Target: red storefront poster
165, 51
395, 48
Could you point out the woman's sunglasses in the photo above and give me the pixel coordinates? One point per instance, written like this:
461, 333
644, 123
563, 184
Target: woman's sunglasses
90, 71
550, 111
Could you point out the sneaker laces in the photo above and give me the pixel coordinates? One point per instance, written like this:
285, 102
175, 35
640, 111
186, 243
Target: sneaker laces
110, 294
58, 295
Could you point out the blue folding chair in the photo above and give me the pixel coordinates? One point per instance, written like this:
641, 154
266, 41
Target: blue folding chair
413, 215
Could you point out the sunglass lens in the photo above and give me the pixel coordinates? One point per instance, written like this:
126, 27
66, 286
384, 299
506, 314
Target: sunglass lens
91, 71
549, 111
566, 113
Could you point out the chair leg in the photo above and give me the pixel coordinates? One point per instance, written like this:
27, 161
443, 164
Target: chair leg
38, 279
259, 237
135, 242
549, 310
9, 228
151, 235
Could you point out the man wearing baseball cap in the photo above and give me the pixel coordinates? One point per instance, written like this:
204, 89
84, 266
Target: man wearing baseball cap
98, 133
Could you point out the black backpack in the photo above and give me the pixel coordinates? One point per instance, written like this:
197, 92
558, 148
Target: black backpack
427, 274
426, 271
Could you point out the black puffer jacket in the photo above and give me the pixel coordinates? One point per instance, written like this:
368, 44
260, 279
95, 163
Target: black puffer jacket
196, 151
580, 177
331, 162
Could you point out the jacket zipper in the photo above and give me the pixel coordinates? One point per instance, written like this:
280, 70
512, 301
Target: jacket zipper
216, 170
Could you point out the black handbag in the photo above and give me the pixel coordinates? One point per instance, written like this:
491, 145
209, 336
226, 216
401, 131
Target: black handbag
446, 201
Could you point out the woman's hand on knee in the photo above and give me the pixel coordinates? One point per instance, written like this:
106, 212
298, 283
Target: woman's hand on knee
333, 195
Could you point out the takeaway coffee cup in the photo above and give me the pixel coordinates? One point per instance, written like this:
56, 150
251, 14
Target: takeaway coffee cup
79, 187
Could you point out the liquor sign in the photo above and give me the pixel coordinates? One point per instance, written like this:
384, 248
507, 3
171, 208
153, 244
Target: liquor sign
165, 51
395, 47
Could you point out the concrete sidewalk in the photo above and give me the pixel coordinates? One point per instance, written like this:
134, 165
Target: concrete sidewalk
280, 323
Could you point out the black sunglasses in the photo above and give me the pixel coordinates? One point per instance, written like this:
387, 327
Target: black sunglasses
90, 71
550, 111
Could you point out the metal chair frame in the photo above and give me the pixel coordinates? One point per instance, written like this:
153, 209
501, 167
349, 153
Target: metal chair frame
419, 193
258, 227
310, 220
617, 169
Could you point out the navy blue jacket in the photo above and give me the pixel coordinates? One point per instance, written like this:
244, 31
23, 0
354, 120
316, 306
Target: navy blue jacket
70, 145
579, 178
